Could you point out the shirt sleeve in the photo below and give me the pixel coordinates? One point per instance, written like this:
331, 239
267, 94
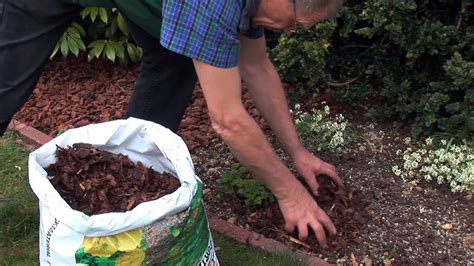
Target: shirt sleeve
188, 28
254, 33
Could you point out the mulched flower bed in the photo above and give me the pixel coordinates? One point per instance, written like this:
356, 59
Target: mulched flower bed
398, 223
95, 181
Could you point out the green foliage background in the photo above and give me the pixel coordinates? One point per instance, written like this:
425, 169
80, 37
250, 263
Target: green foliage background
415, 58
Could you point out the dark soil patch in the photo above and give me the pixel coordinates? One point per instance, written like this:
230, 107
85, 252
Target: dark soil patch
404, 222
95, 181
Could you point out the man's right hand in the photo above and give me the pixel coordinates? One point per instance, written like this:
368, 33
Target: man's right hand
301, 211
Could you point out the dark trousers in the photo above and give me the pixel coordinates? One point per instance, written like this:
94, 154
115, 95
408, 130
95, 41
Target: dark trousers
29, 31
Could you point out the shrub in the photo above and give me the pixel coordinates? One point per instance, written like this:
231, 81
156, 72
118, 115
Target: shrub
413, 59
320, 132
107, 36
443, 162
238, 181
300, 58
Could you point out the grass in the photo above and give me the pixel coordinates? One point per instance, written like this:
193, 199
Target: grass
234, 254
19, 218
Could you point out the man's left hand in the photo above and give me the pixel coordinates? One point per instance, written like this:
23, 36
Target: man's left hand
310, 166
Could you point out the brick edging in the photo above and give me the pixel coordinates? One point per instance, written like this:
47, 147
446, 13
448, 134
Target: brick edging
28, 134
37, 139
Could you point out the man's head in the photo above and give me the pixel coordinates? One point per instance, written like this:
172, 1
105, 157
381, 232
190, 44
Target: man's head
287, 15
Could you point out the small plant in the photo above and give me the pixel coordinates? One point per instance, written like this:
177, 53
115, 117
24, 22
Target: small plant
71, 41
106, 34
444, 162
239, 182
319, 132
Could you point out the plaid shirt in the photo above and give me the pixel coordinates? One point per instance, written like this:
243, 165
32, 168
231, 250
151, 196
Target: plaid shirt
205, 30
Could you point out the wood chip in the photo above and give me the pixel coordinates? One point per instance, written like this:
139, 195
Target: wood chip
367, 261
354, 260
447, 226
231, 220
469, 241
296, 241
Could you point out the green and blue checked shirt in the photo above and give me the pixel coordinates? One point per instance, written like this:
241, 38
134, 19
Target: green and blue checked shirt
204, 30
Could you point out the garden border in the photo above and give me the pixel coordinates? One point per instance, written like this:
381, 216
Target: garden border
36, 138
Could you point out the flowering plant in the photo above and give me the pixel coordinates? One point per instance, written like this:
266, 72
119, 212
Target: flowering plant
443, 162
320, 132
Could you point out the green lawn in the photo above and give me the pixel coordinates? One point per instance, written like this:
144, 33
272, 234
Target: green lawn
19, 218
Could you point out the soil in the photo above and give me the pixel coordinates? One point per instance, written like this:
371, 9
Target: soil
397, 223
95, 181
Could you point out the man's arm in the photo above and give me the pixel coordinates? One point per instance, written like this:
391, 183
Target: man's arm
263, 82
222, 90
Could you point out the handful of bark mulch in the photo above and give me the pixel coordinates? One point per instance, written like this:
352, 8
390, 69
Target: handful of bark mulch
347, 210
95, 181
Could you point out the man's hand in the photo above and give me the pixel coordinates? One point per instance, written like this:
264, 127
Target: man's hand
302, 212
310, 166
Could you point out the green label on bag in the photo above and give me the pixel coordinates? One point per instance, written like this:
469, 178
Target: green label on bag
193, 239
186, 243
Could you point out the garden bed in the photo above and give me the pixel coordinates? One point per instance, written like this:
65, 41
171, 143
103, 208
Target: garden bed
406, 224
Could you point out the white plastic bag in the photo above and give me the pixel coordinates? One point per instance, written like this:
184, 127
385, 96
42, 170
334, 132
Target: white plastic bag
64, 230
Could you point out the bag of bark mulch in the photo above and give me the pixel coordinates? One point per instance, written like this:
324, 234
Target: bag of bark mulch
171, 230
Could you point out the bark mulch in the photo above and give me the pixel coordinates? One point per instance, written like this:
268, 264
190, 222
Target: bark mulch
95, 181
385, 221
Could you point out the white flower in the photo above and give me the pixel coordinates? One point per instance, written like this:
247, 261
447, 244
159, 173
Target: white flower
326, 109
429, 141
396, 171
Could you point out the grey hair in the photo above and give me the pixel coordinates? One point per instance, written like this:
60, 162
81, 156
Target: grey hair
332, 6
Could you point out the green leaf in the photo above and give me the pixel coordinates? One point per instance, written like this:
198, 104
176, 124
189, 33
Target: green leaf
110, 52
111, 29
80, 44
95, 43
79, 28
73, 32
90, 55
121, 24
94, 13
133, 52
55, 51
85, 12
64, 47
119, 49
103, 14
97, 49
73, 46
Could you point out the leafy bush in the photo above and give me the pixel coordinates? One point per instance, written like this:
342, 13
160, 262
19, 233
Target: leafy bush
107, 36
443, 162
239, 182
415, 57
319, 132
300, 58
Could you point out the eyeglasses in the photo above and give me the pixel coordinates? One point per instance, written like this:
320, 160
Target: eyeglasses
295, 22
